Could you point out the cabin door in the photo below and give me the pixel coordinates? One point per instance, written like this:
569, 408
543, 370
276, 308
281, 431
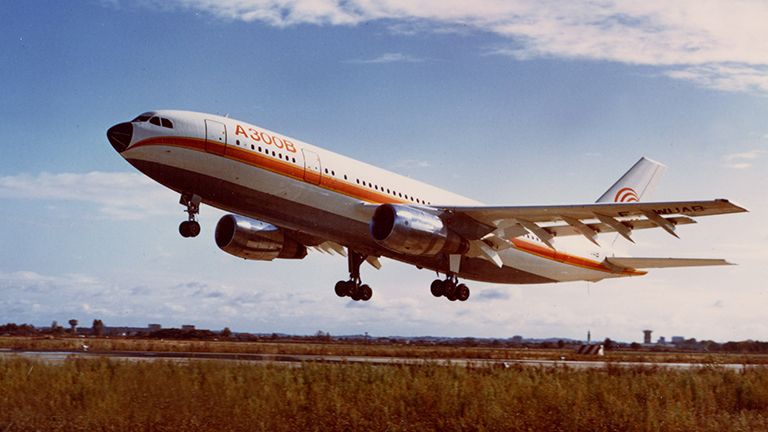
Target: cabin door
215, 137
312, 169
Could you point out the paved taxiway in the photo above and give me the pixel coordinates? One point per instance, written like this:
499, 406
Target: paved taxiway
184, 357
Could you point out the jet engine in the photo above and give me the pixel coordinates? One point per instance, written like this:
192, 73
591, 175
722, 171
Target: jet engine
256, 240
412, 231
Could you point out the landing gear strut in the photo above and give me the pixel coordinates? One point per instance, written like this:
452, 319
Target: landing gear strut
190, 227
354, 287
450, 288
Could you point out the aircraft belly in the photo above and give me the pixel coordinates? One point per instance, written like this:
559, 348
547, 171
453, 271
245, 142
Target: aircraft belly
298, 206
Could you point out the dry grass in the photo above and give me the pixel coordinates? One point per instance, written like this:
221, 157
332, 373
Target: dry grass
228, 396
359, 349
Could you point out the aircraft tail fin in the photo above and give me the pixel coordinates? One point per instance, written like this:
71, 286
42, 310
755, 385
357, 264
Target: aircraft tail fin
637, 183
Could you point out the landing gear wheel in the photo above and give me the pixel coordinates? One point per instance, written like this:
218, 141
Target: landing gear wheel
341, 288
194, 228
190, 227
354, 287
450, 290
437, 288
184, 229
355, 294
365, 292
462, 292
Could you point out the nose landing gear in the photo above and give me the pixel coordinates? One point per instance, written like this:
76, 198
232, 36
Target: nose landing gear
190, 227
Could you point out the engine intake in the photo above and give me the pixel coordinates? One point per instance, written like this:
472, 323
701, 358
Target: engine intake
412, 231
256, 240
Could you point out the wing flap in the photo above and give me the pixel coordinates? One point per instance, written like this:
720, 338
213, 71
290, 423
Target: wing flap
629, 226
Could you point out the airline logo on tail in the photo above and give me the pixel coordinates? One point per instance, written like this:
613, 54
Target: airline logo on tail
626, 195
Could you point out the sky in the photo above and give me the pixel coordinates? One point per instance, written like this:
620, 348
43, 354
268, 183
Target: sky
508, 102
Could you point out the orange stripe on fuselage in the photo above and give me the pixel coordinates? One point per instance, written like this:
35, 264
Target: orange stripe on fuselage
566, 258
278, 166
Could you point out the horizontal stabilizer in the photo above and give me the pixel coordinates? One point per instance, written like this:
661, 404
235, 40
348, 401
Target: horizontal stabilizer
644, 263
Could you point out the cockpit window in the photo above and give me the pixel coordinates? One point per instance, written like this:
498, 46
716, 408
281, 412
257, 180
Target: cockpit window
166, 123
155, 121
142, 117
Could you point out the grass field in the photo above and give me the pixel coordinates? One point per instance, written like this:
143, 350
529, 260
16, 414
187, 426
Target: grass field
111, 395
360, 349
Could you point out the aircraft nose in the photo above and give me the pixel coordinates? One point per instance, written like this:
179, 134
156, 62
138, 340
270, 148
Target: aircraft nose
120, 136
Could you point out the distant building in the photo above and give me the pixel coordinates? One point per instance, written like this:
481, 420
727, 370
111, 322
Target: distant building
678, 339
662, 340
188, 327
154, 327
647, 336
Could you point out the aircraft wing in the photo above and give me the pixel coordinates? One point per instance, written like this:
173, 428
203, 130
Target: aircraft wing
499, 224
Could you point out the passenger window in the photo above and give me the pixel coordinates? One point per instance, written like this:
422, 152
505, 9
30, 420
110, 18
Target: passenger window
155, 121
166, 123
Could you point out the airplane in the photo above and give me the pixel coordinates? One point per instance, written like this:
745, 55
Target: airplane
286, 196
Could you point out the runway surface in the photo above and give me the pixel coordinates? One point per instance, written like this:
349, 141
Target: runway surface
58, 357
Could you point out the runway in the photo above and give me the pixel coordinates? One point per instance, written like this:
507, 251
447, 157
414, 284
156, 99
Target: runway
58, 357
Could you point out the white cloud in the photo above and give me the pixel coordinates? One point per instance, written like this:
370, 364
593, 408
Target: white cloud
714, 43
743, 160
736, 78
412, 163
389, 58
117, 195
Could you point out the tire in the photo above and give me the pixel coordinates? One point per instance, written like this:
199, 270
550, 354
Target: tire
184, 229
437, 288
365, 293
341, 288
449, 290
462, 292
194, 228
354, 292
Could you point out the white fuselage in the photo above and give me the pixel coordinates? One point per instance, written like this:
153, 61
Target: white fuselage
319, 194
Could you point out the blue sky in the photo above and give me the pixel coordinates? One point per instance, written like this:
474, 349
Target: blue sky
508, 102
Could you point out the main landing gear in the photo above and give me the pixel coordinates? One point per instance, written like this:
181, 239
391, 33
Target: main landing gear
190, 227
354, 287
450, 288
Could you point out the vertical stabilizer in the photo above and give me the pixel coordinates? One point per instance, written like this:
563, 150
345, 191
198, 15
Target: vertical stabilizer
639, 182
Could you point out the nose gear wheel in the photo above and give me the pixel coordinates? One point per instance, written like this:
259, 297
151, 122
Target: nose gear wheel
190, 227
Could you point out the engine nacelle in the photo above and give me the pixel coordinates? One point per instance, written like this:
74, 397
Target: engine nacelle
255, 240
411, 231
